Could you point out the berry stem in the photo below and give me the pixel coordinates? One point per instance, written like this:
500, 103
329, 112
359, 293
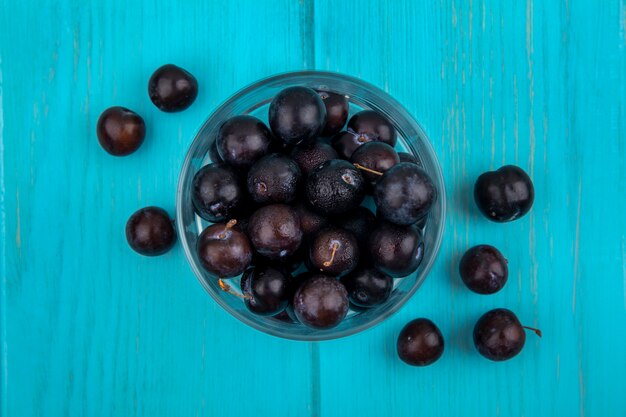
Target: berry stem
226, 288
332, 255
537, 331
371, 171
231, 223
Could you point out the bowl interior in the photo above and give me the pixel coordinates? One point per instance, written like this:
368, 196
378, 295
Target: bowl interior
255, 100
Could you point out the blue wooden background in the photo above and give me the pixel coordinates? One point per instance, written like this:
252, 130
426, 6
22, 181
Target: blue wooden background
88, 328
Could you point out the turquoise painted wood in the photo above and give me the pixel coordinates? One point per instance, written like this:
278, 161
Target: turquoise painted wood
88, 328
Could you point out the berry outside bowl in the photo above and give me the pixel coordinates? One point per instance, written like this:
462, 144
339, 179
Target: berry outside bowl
255, 100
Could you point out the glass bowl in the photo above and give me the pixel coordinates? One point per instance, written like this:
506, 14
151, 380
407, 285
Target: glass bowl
255, 100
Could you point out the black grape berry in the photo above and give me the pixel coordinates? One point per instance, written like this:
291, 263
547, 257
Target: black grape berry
297, 114
242, 140
499, 335
395, 250
335, 187
275, 231
504, 195
266, 290
483, 269
321, 302
224, 249
216, 192
420, 343
373, 125
150, 232
274, 179
336, 112
309, 155
404, 194
334, 251
120, 131
375, 156
367, 287
172, 89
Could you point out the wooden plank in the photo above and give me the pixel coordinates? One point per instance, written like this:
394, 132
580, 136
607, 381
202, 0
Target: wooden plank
90, 327
540, 85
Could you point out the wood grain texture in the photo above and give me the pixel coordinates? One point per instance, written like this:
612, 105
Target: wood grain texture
89, 328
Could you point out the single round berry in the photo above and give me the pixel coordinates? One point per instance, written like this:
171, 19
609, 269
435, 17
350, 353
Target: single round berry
120, 131
499, 335
224, 249
334, 251
359, 222
266, 290
274, 179
483, 269
367, 287
404, 194
275, 231
172, 89
410, 158
504, 195
377, 156
337, 108
310, 221
150, 232
321, 302
297, 114
216, 193
420, 343
335, 187
309, 155
242, 140
373, 125
395, 250
345, 143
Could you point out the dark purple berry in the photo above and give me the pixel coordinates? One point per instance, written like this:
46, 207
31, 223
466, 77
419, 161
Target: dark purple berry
334, 251
242, 140
274, 179
224, 249
321, 302
373, 125
309, 155
216, 193
420, 343
504, 195
367, 287
335, 187
297, 114
376, 156
120, 131
337, 108
266, 290
483, 269
499, 335
275, 231
395, 250
172, 89
150, 232
404, 194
